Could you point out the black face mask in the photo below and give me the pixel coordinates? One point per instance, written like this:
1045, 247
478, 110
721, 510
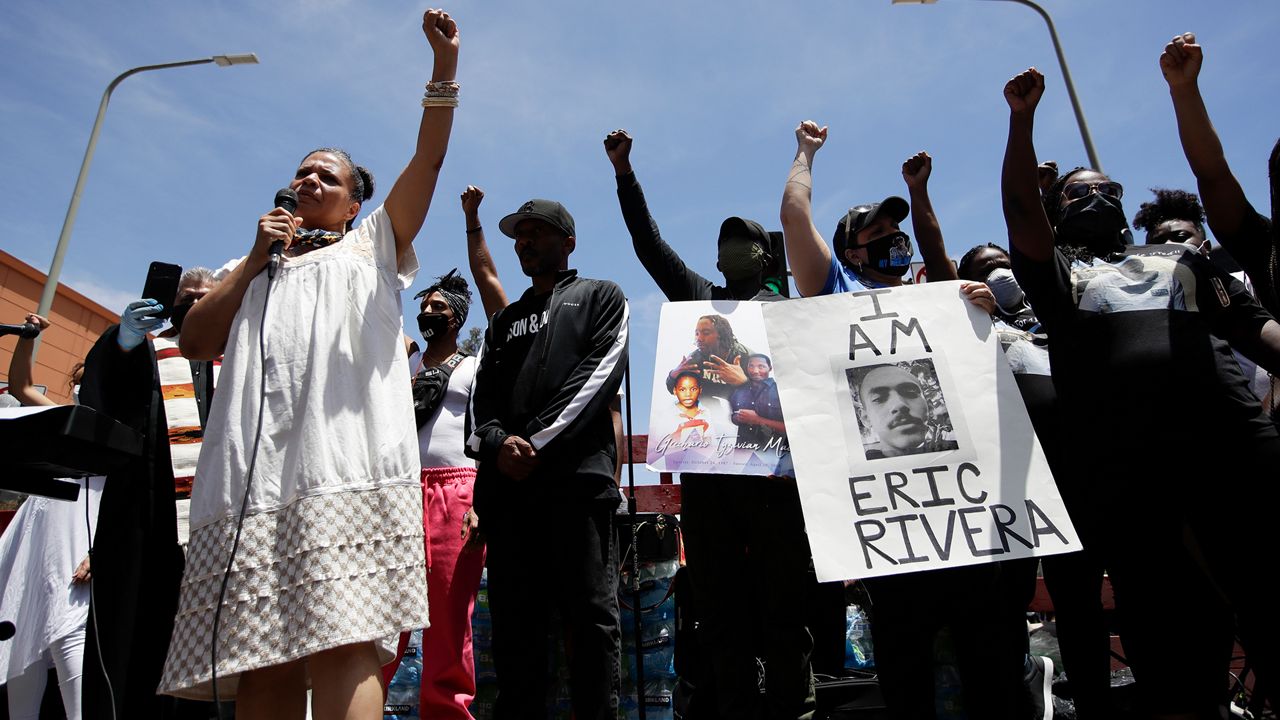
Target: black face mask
178, 314
1095, 222
432, 324
890, 254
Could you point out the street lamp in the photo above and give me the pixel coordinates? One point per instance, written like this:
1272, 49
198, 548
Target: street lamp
55, 269
1066, 74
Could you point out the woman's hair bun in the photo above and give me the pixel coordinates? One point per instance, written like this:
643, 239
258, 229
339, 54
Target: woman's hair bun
366, 179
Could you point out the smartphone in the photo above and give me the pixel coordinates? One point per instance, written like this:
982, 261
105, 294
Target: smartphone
162, 286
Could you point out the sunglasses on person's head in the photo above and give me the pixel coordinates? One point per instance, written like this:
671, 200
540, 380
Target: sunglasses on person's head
853, 212
1077, 190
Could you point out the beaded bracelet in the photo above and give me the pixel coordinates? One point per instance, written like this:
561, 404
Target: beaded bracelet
442, 93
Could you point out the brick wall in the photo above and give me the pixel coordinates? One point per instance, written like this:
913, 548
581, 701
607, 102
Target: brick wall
77, 323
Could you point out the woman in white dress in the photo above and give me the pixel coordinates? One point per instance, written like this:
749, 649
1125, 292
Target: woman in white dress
329, 567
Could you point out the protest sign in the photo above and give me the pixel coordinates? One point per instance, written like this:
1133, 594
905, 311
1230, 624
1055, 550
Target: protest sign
715, 405
912, 447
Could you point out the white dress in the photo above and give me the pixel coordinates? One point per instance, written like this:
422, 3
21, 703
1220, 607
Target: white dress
331, 552
39, 551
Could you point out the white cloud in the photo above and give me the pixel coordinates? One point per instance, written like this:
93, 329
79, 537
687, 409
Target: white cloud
113, 298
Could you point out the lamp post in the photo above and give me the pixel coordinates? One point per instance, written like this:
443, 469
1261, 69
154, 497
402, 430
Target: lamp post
55, 269
1066, 74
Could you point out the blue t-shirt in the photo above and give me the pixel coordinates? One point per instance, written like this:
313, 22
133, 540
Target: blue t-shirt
840, 278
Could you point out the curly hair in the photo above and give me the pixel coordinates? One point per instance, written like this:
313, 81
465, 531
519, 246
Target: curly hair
964, 268
1170, 205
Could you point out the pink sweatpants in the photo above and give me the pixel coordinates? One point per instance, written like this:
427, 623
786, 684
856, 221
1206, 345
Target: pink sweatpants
453, 576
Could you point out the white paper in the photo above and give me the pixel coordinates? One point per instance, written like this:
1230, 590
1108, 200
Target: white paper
704, 422
938, 450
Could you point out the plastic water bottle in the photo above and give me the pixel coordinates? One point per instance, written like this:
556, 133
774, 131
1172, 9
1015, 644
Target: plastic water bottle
859, 651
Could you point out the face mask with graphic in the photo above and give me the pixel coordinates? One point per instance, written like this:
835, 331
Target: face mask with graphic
740, 258
179, 314
890, 254
432, 324
1095, 222
1007, 291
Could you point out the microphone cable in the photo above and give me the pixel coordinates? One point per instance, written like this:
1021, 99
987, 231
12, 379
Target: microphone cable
93, 606
248, 485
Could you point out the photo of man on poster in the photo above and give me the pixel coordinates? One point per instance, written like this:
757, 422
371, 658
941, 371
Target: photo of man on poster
900, 409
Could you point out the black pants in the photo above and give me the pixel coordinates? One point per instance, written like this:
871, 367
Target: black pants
1190, 543
748, 557
545, 555
906, 613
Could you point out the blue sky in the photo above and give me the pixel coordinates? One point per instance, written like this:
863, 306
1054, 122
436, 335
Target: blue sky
189, 158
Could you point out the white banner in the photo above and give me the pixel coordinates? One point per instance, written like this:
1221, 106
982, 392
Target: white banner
715, 406
912, 447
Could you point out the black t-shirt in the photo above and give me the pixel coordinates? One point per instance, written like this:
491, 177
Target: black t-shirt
516, 330
1026, 349
1140, 341
1253, 246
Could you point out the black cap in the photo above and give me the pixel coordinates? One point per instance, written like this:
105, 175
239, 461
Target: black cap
537, 209
861, 216
743, 228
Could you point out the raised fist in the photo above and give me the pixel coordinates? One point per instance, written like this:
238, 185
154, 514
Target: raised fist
915, 171
441, 31
471, 198
1023, 92
809, 136
1181, 60
617, 145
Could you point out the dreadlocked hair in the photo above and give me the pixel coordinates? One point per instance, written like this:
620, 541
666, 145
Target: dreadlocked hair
964, 268
456, 291
1170, 205
725, 331
1053, 210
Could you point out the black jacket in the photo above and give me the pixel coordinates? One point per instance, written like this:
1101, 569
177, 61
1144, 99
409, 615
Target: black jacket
137, 562
557, 396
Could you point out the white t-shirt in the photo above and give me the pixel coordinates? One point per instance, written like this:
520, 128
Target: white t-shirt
441, 441
338, 415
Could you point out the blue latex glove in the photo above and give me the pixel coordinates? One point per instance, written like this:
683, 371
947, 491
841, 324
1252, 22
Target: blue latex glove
136, 321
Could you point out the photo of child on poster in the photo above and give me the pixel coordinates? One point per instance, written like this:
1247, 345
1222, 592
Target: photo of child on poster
715, 402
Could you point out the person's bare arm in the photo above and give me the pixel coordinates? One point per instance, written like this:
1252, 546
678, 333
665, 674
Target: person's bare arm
410, 197
1224, 200
807, 251
924, 221
483, 269
747, 416
20, 383
208, 323
1029, 229
615, 414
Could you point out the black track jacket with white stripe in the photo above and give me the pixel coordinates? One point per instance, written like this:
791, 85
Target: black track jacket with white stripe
554, 391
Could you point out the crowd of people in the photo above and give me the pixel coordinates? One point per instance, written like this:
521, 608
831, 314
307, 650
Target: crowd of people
347, 485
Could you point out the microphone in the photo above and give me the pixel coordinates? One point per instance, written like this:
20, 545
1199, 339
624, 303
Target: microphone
25, 330
7, 630
288, 199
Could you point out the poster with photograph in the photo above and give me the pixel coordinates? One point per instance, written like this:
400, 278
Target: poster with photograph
715, 402
911, 445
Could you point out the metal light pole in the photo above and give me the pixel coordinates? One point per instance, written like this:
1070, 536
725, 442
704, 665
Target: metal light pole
55, 269
1066, 74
